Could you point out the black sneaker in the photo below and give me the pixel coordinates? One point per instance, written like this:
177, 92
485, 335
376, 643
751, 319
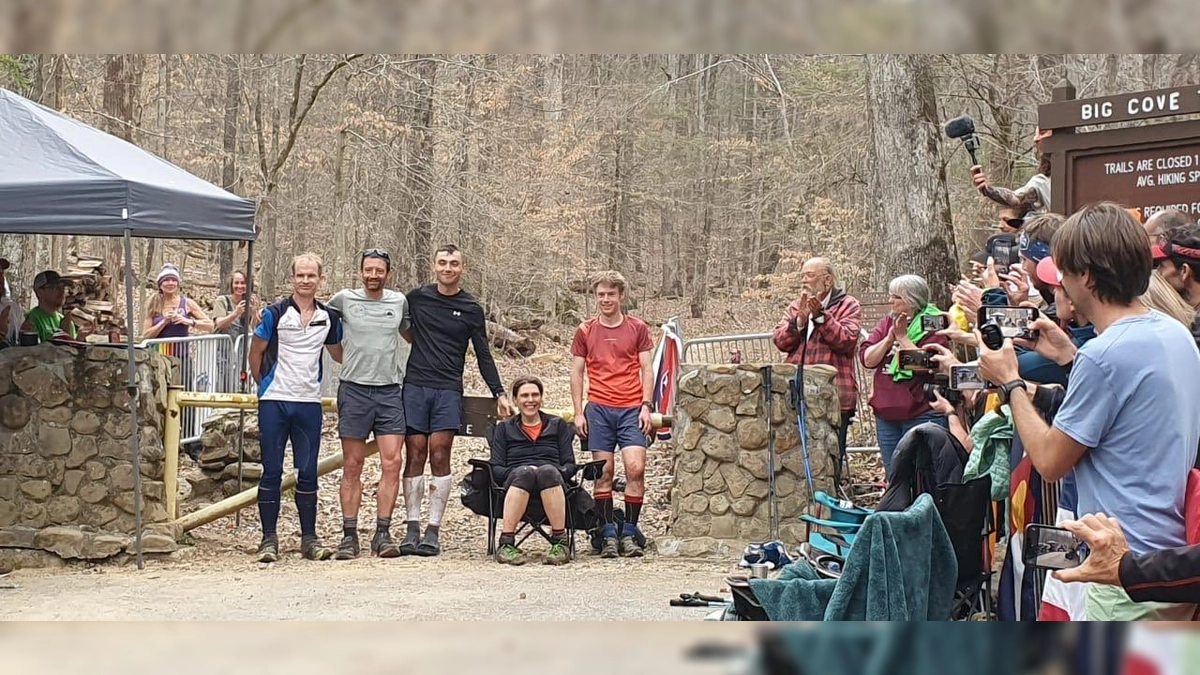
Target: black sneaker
268, 550
411, 541
609, 550
629, 548
429, 545
311, 549
383, 546
348, 549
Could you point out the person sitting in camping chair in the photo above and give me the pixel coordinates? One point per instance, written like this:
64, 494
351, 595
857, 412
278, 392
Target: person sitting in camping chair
533, 452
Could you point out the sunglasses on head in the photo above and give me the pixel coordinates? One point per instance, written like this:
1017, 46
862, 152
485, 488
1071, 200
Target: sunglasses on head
376, 253
1014, 223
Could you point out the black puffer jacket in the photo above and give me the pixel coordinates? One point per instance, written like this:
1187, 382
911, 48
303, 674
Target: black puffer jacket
512, 448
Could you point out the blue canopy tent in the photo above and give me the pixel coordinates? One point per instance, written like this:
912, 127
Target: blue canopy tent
61, 176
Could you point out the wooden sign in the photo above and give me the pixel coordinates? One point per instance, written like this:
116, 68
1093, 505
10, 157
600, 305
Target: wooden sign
1120, 108
479, 414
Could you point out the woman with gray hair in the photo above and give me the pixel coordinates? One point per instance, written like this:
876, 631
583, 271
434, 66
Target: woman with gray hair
898, 398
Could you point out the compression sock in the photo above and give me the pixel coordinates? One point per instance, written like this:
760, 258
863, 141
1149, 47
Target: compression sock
306, 506
268, 510
439, 499
604, 500
414, 492
633, 508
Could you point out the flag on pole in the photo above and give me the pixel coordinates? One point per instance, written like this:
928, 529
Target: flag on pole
667, 356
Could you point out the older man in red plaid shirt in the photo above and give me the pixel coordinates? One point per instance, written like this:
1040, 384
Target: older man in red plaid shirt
823, 327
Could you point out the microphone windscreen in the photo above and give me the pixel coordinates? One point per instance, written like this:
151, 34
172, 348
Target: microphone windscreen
960, 127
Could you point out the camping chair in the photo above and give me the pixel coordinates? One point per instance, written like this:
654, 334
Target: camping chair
482, 495
844, 521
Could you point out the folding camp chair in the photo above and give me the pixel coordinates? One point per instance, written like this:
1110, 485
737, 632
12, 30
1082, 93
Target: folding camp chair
581, 510
844, 520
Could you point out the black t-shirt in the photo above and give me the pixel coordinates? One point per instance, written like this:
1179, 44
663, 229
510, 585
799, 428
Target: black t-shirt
443, 325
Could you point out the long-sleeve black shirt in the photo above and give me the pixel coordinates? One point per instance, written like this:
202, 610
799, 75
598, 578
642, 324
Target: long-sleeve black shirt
442, 327
511, 447
1171, 575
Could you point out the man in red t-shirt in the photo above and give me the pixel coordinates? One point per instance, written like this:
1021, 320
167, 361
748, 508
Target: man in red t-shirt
613, 351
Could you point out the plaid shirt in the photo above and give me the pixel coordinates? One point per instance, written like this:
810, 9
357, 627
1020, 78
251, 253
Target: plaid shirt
832, 342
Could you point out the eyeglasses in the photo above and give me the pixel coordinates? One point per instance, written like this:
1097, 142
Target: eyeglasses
376, 253
1014, 223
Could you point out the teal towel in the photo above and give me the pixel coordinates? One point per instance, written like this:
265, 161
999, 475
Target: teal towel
900, 568
992, 437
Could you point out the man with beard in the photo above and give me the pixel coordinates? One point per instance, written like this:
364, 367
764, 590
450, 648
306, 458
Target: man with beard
370, 401
445, 319
1178, 261
823, 326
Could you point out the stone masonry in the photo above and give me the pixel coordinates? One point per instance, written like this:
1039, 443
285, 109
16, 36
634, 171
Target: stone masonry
66, 474
719, 492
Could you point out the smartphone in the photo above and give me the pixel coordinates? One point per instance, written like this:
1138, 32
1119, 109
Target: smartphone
932, 323
914, 359
1013, 321
966, 378
1052, 548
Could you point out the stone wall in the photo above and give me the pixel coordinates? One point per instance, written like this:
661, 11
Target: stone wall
66, 473
719, 491
214, 476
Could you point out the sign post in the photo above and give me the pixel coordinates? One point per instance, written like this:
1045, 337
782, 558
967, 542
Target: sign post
1149, 167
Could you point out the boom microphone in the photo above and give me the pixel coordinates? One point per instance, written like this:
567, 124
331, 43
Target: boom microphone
963, 128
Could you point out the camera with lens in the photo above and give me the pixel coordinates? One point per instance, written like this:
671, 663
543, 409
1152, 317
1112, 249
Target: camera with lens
941, 385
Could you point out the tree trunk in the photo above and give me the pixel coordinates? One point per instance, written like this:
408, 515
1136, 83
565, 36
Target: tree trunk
911, 204
229, 177
122, 84
339, 272
420, 175
699, 290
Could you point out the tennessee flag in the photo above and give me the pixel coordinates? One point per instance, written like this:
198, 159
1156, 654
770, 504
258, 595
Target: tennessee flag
667, 356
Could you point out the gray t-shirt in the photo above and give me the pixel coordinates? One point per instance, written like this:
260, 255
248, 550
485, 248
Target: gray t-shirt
374, 354
1131, 399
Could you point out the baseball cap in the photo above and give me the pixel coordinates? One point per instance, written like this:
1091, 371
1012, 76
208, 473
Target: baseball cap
4, 264
1157, 253
46, 279
1047, 272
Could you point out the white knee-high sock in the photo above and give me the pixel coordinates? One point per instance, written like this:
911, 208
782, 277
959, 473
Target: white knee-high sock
439, 499
414, 493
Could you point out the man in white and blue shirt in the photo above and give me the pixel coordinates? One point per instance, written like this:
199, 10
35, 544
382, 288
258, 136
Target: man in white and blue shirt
285, 360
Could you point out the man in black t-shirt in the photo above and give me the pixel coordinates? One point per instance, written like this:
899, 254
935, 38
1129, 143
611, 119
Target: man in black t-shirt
445, 319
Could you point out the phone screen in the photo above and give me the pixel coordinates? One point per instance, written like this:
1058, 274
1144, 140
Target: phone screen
966, 378
1053, 548
1013, 321
914, 359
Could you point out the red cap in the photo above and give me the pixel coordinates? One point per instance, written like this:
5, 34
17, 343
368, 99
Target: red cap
1158, 253
1047, 272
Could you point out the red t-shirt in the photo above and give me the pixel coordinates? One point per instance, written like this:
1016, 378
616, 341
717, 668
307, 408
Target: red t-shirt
612, 356
532, 431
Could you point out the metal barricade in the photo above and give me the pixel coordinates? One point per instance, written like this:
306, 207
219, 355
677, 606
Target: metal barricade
207, 363
750, 348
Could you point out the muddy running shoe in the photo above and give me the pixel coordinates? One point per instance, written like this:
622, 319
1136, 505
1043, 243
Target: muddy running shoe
311, 549
268, 550
609, 550
383, 546
558, 555
429, 545
412, 539
508, 554
629, 547
348, 549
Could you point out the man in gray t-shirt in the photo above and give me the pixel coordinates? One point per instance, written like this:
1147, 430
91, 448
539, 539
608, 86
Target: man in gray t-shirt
369, 396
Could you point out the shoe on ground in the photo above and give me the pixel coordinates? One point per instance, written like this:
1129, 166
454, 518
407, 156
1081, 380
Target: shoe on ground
268, 550
559, 554
348, 548
429, 545
410, 543
508, 554
311, 549
609, 549
383, 546
629, 547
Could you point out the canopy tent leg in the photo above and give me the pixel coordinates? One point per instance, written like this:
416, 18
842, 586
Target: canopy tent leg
131, 388
244, 371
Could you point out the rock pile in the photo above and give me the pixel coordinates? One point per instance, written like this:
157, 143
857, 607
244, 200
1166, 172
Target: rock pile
215, 474
720, 487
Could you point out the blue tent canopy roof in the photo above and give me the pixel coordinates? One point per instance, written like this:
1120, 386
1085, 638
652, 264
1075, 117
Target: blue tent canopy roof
61, 176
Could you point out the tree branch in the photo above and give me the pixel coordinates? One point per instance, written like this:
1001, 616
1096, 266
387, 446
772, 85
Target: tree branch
297, 120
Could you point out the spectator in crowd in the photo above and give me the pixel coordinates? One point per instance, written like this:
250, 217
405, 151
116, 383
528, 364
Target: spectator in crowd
823, 326
1116, 397
47, 318
231, 310
1162, 222
10, 312
1178, 261
1034, 196
170, 314
898, 399
533, 453
1161, 297
1168, 575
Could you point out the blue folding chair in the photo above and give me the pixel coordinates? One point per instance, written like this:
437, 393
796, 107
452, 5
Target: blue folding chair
840, 528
